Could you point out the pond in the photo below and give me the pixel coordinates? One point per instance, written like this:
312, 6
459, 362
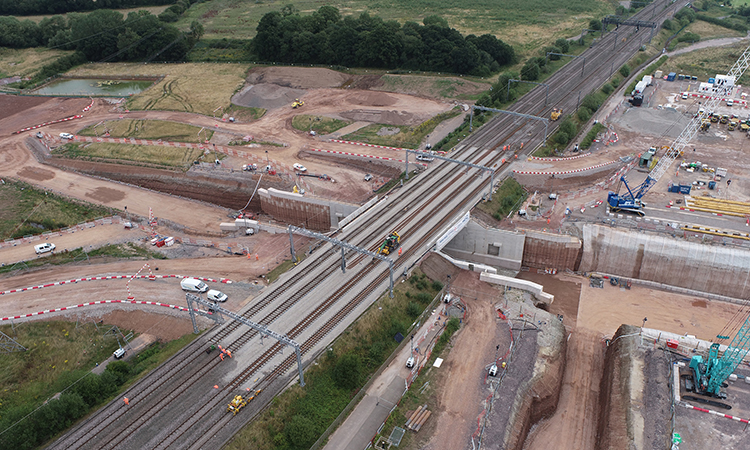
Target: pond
95, 87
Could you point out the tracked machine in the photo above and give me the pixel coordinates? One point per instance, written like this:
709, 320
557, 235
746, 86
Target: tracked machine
390, 244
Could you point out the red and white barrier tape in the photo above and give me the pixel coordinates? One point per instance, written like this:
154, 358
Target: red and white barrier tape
113, 277
100, 302
715, 413
384, 158
77, 116
564, 172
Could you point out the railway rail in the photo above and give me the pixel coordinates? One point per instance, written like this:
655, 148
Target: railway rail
177, 406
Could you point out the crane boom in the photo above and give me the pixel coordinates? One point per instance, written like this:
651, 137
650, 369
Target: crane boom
632, 201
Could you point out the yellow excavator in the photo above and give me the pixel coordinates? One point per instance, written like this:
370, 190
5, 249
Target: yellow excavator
297, 103
556, 113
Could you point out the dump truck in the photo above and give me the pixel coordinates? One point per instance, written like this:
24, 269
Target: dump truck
715, 117
733, 124
724, 118
236, 404
556, 113
390, 244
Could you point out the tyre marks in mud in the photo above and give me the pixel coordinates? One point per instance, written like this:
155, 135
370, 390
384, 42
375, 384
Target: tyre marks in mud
169, 93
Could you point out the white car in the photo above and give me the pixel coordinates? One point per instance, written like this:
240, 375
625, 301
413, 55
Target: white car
368, 177
216, 296
410, 362
66, 136
44, 248
119, 353
299, 167
493, 370
424, 157
684, 95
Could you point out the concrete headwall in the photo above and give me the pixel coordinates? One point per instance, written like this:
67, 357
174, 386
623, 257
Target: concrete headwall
489, 246
299, 210
542, 250
662, 259
537, 290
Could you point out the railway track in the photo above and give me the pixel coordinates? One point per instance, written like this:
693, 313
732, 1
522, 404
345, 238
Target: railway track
176, 406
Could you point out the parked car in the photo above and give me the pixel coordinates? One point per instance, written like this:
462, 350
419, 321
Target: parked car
299, 167
39, 135
44, 248
493, 370
410, 362
66, 136
119, 353
684, 95
424, 157
368, 177
193, 285
216, 296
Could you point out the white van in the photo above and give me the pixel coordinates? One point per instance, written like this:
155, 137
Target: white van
44, 248
216, 296
193, 285
119, 353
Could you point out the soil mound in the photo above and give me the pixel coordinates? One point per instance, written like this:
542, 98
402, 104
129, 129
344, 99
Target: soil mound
267, 96
372, 99
298, 77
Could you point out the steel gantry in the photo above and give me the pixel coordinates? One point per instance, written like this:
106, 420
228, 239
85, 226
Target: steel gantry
255, 326
468, 164
512, 113
344, 246
546, 95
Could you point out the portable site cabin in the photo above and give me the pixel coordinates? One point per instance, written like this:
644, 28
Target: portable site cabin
671, 76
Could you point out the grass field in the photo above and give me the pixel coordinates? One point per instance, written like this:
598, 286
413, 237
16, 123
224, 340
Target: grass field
521, 23
25, 62
319, 124
148, 155
25, 210
155, 10
706, 63
198, 88
149, 129
435, 87
244, 113
102, 254
406, 136
54, 348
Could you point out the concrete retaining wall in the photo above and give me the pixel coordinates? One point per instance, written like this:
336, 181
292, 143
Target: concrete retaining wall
543, 250
702, 267
477, 244
537, 290
465, 265
299, 210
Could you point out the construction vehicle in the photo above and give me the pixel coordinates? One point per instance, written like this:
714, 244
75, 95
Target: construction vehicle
710, 376
390, 244
744, 126
724, 118
706, 124
236, 404
734, 123
632, 200
715, 117
297, 103
556, 113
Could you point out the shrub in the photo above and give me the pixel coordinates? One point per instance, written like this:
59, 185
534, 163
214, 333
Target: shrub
584, 114
530, 70
436, 285
413, 310
347, 371
607, 89
625, 71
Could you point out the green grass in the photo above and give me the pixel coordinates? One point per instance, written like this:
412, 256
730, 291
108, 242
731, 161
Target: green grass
147, 155
25, 62
149, 129
54, 349
525, 24
706, 63
368, 342
110, 252
25, 210
319, 124
433, 86
508, 197
407, 136
287, 264
244, 113
59, 359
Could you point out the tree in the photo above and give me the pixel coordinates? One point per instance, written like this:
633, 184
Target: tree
595, 24
530, 70
347, 371
438, 21
267, 41
563, 45
50, 26
625, 71
95, 33
300, 431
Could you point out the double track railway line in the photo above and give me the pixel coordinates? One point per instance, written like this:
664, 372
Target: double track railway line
182, 404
